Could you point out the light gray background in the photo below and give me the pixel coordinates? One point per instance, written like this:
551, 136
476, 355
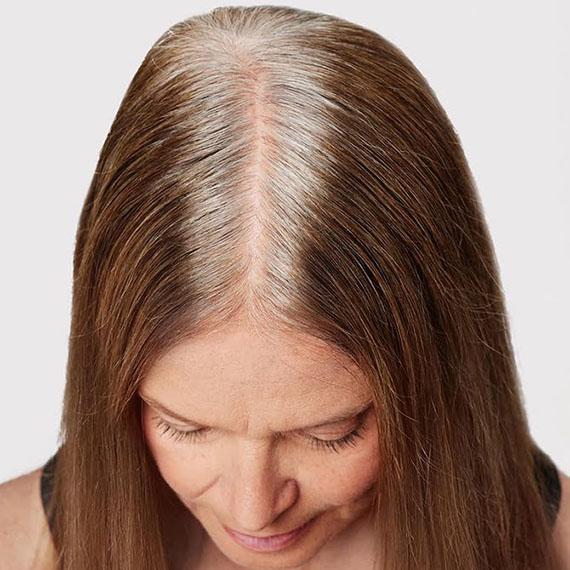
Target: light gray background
500, 69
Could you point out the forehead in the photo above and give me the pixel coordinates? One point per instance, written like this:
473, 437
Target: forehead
237, 372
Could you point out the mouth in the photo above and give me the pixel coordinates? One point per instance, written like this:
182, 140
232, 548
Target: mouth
269, 543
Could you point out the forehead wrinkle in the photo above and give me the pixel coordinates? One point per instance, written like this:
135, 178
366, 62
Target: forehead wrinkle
322, 421
246, 419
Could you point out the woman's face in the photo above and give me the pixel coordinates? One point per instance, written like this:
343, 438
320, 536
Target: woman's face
252, 455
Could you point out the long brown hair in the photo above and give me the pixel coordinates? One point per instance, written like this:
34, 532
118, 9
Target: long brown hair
296, 169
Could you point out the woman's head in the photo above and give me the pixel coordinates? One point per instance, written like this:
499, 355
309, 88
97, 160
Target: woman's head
246, 429
292, 175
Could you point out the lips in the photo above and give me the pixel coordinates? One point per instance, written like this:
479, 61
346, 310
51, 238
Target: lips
268, 543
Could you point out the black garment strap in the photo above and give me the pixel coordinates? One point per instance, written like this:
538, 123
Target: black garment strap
46, 485
549, 485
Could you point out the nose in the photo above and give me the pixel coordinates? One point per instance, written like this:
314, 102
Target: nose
259, 492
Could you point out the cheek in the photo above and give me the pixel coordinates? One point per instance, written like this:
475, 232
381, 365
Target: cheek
346, 480
187, 470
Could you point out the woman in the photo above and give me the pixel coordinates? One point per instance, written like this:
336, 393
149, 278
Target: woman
289, 343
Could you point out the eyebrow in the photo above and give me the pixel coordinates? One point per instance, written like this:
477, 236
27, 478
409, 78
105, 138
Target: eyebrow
346, 415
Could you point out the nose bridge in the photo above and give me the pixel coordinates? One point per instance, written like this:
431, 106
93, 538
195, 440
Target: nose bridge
259, 491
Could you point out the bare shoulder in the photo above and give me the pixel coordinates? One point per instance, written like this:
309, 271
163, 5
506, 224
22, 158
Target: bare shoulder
23, 523
561, 529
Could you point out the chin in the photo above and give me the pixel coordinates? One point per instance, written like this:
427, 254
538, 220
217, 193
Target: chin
297, 553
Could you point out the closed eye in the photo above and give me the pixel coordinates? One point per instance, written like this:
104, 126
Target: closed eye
194, 436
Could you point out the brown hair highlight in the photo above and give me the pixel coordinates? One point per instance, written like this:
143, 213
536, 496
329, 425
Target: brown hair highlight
295, 170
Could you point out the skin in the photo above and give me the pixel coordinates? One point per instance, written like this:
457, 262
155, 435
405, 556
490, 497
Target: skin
245, 389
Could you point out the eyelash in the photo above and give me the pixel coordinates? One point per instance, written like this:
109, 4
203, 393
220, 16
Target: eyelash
321, 444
